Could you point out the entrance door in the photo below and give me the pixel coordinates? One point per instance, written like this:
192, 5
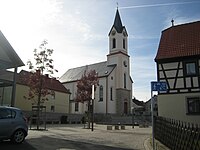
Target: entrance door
125, 108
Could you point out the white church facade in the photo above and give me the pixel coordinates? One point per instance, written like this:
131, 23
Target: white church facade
114, 93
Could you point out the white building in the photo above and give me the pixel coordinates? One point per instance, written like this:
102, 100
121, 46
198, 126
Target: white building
113, 96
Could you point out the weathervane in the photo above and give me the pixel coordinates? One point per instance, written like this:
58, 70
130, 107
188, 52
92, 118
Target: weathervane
117, 5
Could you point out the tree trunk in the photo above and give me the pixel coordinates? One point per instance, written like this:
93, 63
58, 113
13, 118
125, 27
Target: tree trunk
38, 114
39, 103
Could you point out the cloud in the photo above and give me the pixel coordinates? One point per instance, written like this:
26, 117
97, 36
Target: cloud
143, 72
158, 5
145, 37
179, 17
142, 93
180, 20
77, 26
24, 23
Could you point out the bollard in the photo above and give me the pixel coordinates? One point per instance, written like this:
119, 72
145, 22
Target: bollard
109, 127
122, 127
116, 127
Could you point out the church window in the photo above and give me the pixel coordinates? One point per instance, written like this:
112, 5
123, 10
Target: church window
111, 93
76, 106
101, 93
124, 80
124, 43
114, 43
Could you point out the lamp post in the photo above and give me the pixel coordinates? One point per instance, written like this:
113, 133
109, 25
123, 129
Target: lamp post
132, 117
92, 107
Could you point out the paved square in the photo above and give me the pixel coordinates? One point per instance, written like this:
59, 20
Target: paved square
75, 137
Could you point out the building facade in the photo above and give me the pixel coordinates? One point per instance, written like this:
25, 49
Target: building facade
178, 64
9, 59
59, 103
114, 93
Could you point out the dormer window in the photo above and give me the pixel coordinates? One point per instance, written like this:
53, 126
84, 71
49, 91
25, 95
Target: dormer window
114, 43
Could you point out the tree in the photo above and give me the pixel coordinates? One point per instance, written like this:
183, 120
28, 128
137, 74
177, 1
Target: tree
37, 79
84, 89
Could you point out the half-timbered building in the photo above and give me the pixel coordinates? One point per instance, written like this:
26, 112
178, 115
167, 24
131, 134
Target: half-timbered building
178, 64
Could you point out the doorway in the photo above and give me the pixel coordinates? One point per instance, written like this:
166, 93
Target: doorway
125, 108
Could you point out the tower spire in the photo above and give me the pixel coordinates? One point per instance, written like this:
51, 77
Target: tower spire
117, 22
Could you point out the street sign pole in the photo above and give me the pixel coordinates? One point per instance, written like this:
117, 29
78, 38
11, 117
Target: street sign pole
152, 119
155, 86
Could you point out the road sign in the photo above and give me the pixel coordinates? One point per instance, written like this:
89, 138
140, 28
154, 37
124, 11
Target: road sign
158, 86
155, 86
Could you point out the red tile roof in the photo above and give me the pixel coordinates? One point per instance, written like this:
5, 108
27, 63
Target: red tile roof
50, 83
180, 41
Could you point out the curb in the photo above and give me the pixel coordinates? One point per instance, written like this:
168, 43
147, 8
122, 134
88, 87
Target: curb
147, 145
158, 145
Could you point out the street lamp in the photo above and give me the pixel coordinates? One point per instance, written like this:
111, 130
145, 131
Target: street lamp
92, 107
132, 117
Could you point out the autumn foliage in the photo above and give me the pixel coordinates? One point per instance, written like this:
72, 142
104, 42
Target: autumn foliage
35, 87
84, 86
41, 70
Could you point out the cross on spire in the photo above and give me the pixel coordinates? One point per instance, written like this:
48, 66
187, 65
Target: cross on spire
172, 22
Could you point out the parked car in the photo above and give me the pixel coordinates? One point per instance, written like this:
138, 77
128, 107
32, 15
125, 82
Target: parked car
13, 124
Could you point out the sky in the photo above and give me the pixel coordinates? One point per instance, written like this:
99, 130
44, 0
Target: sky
78, 30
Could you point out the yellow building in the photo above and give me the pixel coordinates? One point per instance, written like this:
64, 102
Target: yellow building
59, 103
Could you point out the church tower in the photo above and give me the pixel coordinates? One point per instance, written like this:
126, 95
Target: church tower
118, 55
118, 36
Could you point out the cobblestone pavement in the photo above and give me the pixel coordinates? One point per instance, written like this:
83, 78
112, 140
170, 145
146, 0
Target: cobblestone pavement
75, 137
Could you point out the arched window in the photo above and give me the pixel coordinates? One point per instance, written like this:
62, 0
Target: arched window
124, 43
101, 93
124, 80
114, 43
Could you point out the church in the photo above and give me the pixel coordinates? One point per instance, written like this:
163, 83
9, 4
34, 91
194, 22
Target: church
114, 93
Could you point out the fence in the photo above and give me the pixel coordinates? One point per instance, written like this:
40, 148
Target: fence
177, 135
